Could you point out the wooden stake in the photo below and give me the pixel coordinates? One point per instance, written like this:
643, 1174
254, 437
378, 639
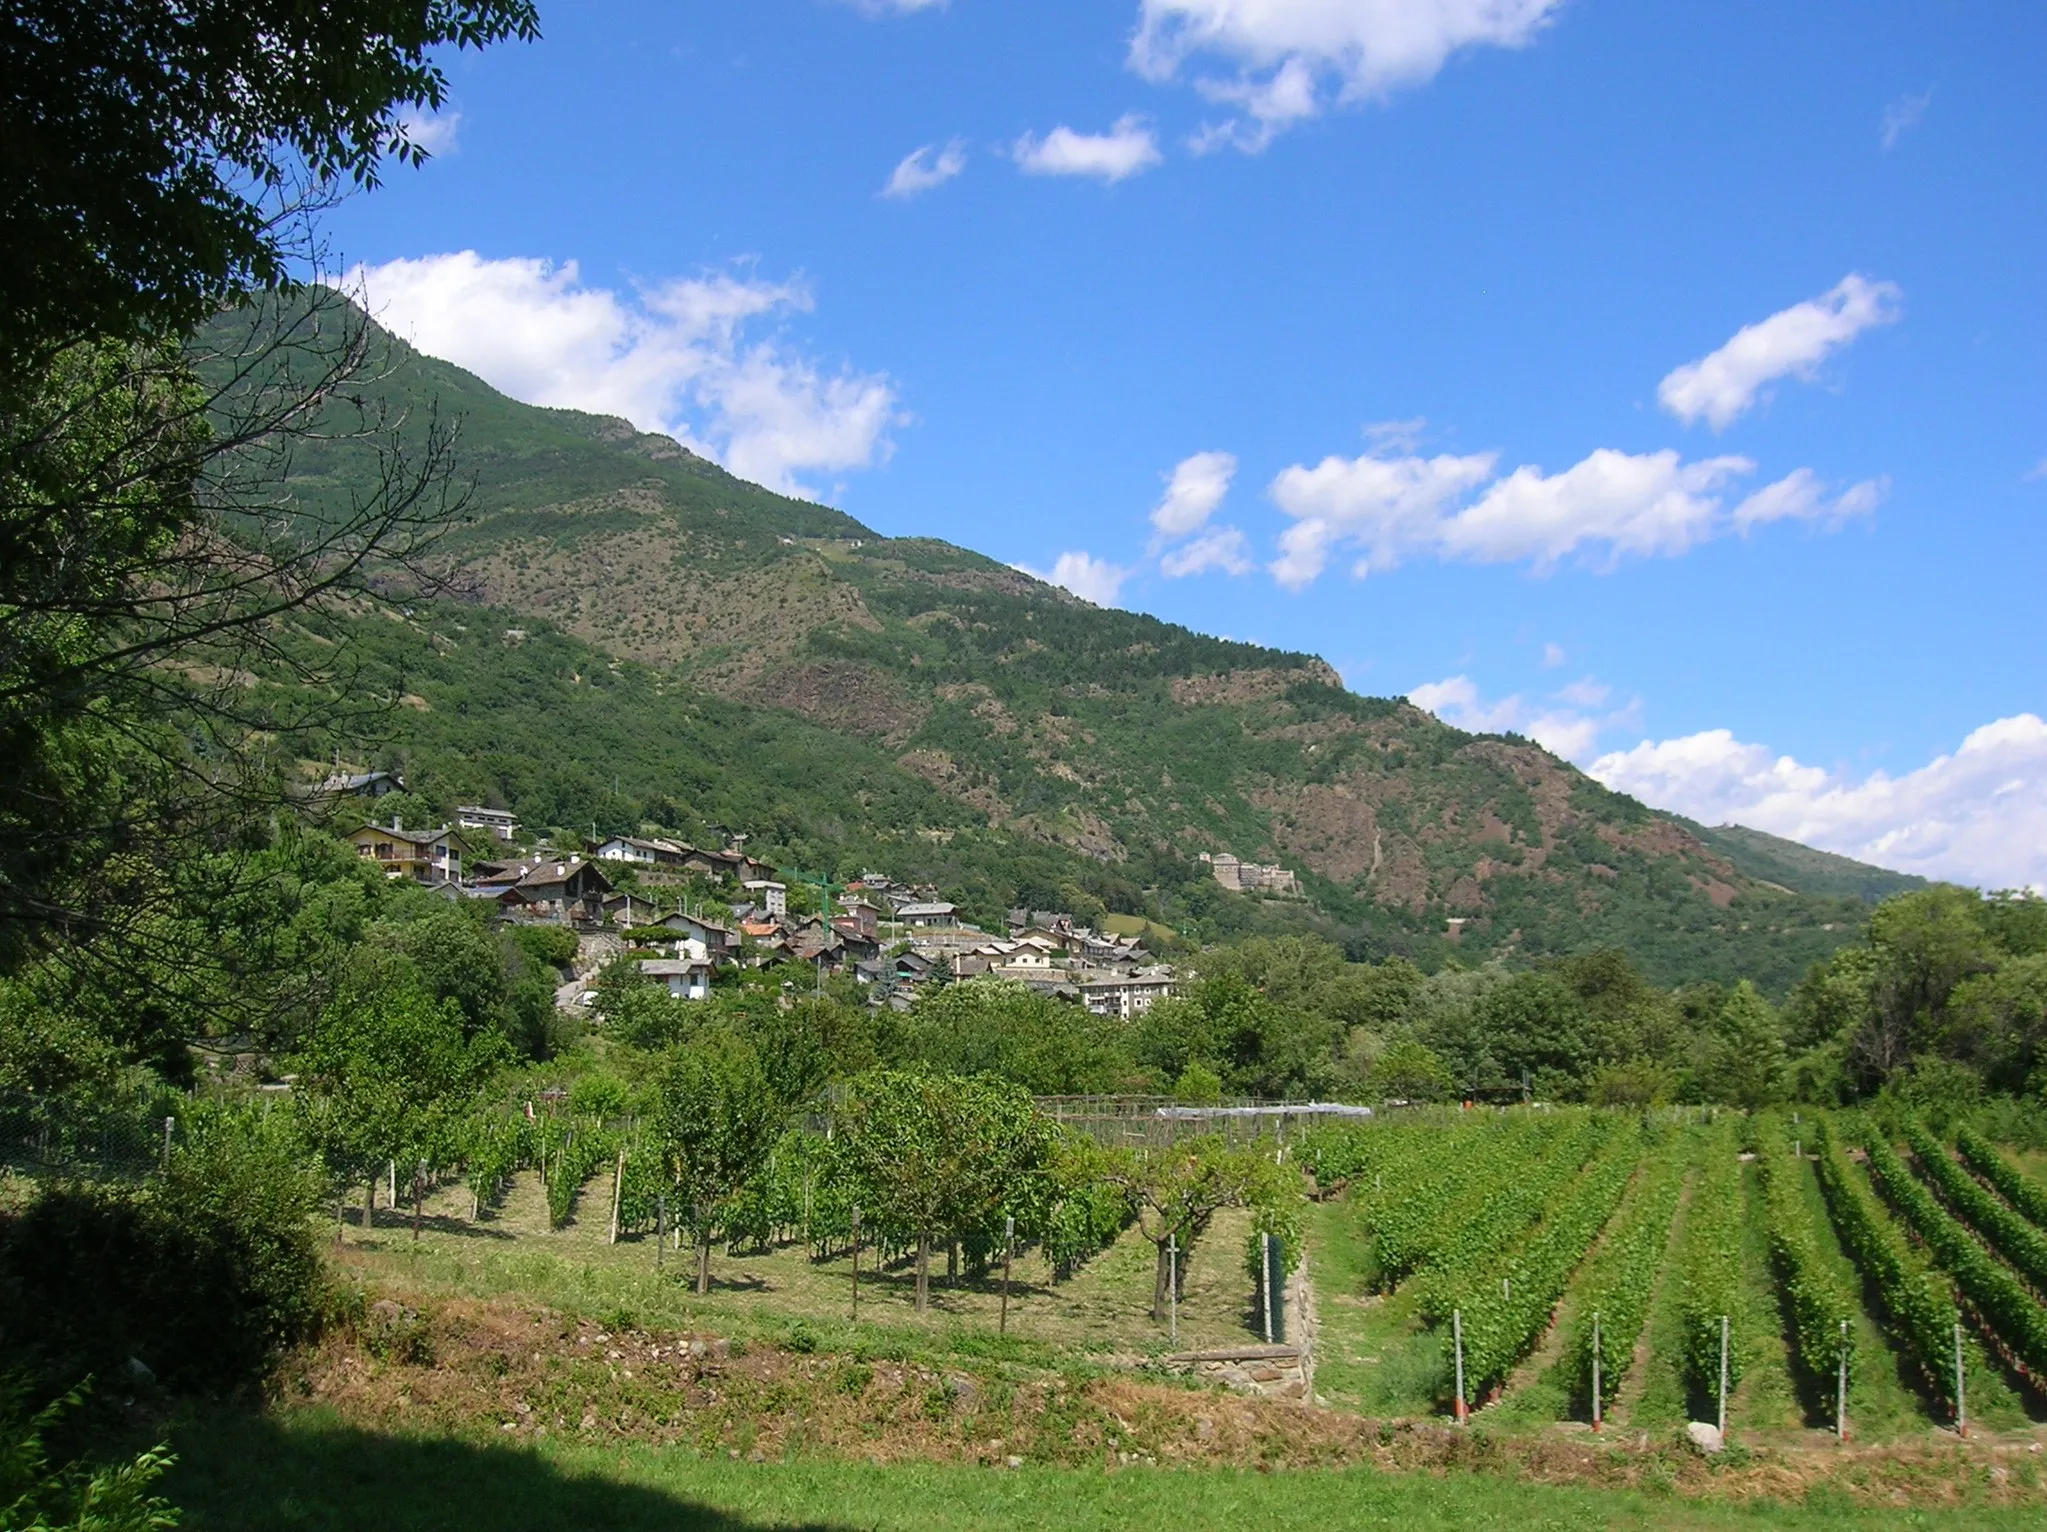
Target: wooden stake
856, 1265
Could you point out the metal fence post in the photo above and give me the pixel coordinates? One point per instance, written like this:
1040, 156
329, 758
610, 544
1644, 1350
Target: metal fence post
1457, 1340
1961, 1387
1266, 1292
1173, 1286
856, 1263
1008, 1250
1596, 1402
1723, 1377
1841, 1389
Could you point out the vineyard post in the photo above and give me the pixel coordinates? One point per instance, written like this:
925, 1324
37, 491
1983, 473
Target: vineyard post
1595, 1371
1265, 1290
1457, 1340
1173, 1286
1723, 1377
1008, 1249
1841, 1389
660, 1229
856, 1263
617, 1191
1961, 1397
392, 1170
168, 1124
702, 1234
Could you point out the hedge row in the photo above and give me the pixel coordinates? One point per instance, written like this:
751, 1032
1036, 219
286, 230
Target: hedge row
2021, 1191
1922, 1314
1822, 1311
2004, 1305
1623, 1279
2024, 1246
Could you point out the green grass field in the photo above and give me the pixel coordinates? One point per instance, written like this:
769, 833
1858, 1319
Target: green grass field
304, 1469
1103, 1311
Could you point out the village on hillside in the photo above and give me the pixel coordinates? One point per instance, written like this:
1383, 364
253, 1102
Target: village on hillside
687, 912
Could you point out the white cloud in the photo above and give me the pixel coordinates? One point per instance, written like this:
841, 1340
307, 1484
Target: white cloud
1586, 691
677, 358
1194, 490
1903, 114
1607, 506
1569, 732
1284, 52
1976, 816
1088, 577
1800, 496
1644, 503
1125, 150
1221, 548
2037, 471
1389, 506
435, 132
896, 7
1552, 656
922, 169
1721, 387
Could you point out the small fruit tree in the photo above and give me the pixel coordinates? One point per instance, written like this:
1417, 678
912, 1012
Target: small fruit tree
717, 1121
929, 1156
1178, 1189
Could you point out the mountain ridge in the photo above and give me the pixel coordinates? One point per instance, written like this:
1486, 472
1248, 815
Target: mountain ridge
1112, 735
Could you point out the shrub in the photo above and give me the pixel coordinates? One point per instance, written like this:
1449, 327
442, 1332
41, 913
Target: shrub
203, 1276
36, 1494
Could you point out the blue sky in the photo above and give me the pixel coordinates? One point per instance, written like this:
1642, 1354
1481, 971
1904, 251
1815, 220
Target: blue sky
1663, 380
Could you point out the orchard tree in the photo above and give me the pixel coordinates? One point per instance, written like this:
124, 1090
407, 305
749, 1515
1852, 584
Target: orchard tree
1177, 1190
718, 1119
387, 1075
941, 1156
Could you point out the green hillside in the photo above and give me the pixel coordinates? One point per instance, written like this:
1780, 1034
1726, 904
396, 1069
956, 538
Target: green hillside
1772, 859
702, 650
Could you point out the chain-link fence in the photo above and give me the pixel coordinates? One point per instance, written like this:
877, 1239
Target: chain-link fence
42, 1137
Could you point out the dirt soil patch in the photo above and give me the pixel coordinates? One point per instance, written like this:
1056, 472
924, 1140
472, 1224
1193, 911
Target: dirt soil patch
504, 1370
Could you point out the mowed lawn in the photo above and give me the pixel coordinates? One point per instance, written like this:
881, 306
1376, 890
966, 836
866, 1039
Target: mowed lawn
303, 1468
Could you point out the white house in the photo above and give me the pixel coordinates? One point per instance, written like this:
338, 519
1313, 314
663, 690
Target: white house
686, 978
499, 822
769, 897
935, 914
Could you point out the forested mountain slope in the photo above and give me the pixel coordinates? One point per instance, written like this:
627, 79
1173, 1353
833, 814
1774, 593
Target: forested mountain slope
973, 699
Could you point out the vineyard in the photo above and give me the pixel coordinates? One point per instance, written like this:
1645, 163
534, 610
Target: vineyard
1776, 1271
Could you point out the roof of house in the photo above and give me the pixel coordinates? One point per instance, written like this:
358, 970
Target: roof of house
672, 968
547, 874
355, 782
411, 837
912, 911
